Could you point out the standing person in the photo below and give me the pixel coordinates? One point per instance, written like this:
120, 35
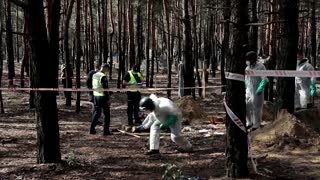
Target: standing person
305, 87
168, 115
101, 100
89, 80
254, 92
133, 80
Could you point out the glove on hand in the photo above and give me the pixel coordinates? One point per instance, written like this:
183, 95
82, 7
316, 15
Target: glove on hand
261, 87
141, 128
313, 89
169, 121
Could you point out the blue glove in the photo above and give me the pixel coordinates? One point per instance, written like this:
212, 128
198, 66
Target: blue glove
141, 128
135, 82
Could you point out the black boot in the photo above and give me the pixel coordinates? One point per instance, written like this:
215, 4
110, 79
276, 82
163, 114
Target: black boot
152, 152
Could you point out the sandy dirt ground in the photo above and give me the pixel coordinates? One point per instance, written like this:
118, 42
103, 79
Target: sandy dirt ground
121, 156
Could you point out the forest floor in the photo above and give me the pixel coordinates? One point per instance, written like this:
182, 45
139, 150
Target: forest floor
121, 156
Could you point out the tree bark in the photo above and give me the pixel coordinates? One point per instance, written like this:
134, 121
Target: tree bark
105, 31
150, 2
132, 53
67, 53
289, 12
119, 42
111, 38
314, 34
139, 34
54, 15
1, 59
188, 60
46, 106
169, 63
153, 43
79, 53
9, 38
237, 147
225, 42
254, 29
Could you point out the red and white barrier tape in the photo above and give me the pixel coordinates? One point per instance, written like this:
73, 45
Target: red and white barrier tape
109, 89
234, 76
282, 73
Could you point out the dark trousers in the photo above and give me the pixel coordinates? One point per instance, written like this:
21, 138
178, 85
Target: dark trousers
100, 104
133, 107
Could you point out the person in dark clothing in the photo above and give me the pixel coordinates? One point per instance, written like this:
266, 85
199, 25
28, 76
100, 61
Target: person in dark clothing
101, 100
89, 80
133, 80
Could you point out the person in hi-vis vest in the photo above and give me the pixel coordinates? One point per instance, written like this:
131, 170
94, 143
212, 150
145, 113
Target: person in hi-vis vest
101, 100
133, 80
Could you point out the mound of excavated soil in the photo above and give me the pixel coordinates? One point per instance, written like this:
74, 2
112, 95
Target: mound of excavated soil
290, 130
191, 111
268, 111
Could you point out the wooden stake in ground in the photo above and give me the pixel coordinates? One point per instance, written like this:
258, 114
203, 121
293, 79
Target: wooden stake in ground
131, 134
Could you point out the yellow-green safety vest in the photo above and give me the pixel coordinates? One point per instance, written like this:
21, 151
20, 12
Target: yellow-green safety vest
96, 83
132, 80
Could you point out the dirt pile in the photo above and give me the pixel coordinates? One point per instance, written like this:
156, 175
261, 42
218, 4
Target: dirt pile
290, 131
268, 111
191, 111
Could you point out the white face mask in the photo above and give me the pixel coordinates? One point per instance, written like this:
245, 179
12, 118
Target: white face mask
248, 63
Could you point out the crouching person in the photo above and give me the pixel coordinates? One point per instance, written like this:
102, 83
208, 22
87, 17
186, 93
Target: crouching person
167, 115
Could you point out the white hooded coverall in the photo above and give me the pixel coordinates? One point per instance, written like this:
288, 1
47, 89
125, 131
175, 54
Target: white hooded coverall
254, 102
163, 108
302, 84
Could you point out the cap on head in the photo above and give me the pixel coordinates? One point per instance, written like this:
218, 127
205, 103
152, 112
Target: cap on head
251, 56
105, 65
147, 104
136, 68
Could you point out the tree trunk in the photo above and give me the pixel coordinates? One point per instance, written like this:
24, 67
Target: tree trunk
139, 32
153, 43
314, 34
254, 29
111, 37
274, 49
91, 36
79, 52
132, 53
237, 147
119, 42
150, 2
54, 7
11, 69
46, 106
100, 30
288, 52
188, 61
25, 58
67, 53
1, 59
225, 42
105, 31
169, 63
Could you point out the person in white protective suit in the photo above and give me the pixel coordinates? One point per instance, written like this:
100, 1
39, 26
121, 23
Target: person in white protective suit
254, 92
168, 115
305, 87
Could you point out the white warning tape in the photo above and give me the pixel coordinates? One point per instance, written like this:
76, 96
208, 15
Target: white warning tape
109, 89
234, 76
234, 118
282, 73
